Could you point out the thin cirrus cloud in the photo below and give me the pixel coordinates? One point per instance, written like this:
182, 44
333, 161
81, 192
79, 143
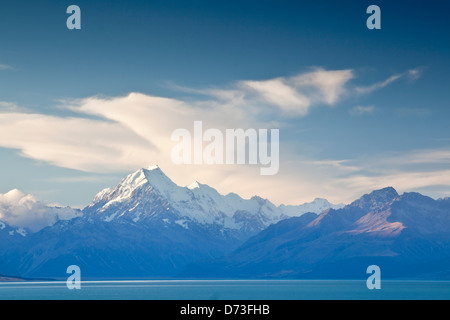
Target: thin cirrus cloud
135, 130
412, 74
280, 93
293, 96
5, 67
8, 106
362, 110
425, 170
421, 157
329, 85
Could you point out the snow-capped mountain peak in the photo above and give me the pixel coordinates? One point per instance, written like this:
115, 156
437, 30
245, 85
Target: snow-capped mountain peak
158, 180
149, 193
376, 198
318, 205
153, 167
152, 179
101, 195
193, 185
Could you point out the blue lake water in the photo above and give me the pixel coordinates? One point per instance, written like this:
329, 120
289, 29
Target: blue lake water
227, 290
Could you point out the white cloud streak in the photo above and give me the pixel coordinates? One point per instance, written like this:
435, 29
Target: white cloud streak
412, 74
290, 95
76, 143
5, 67
362, 110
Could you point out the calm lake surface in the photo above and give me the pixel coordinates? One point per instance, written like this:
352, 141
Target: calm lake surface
226, 290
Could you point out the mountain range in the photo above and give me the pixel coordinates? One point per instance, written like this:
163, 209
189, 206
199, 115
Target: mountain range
407, 236
149, 227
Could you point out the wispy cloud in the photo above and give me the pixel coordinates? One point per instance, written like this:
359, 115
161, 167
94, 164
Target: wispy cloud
7, 106
378, 85
331, 85
362, 110
423, 156
5, 67
426, 170
76, 143
413, 170
291, 95
412, 74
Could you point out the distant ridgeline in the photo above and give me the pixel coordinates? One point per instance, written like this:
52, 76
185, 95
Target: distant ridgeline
149, 227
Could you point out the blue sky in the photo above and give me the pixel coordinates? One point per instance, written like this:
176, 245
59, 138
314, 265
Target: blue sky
387, 126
